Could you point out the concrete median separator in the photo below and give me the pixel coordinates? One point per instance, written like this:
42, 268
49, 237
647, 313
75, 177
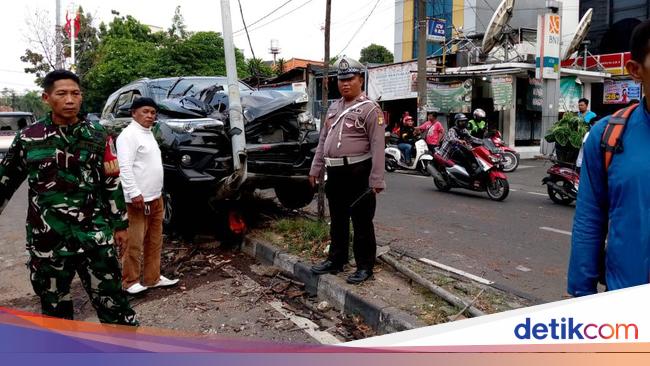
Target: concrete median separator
379, 315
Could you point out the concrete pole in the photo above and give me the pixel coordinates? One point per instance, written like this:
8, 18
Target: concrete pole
58, 59
551, 103
323, 113
238, 137
422, 61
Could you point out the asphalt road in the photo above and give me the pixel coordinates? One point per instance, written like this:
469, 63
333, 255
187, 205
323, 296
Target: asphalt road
522, 243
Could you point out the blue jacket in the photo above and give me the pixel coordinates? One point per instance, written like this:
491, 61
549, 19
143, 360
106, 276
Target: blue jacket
618, 199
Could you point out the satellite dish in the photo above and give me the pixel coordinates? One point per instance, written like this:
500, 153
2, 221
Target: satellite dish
579, 36
500, 18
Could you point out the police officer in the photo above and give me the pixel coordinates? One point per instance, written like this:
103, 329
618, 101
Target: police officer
351, 148
76, 211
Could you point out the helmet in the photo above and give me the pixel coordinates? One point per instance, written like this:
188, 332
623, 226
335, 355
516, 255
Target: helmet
479, 113
461, 120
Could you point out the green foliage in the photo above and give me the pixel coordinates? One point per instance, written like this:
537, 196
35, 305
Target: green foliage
29, 102
302, 236
280, 66
178, 28
568, 131
257, 67
376, 54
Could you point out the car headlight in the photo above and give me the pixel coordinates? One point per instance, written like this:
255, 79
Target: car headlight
302, 99
304, 117
186, 160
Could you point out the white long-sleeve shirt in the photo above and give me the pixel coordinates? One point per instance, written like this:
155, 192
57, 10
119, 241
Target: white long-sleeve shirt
141, 169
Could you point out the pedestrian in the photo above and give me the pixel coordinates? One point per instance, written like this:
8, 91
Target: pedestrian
351, 147
141, 172
76, 211
434, 131
583, 110
611, 227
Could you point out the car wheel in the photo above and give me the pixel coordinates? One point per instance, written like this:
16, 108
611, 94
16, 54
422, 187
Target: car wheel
294, 195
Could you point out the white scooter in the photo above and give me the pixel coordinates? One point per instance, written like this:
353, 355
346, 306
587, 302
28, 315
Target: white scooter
419, 163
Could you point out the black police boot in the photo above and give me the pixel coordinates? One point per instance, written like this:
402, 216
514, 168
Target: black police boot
359, 276
326, 267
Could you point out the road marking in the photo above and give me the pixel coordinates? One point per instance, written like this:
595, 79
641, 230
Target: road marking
411, 174
555, 230
525, 166
456, 271
535, 193
305, 324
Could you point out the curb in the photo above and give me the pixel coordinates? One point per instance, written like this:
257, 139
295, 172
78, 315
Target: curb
380, 316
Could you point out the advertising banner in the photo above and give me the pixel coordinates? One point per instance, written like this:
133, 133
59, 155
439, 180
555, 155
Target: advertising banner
570, 93
436, 30
535, 95
549, 37
454, 97
502, 92
392, 82
621, 91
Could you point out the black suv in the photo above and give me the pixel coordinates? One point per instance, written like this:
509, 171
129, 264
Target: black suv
194, 135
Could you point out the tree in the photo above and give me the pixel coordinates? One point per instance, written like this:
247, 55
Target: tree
280, 66
178, 28
29, 102
257, 67
376, 54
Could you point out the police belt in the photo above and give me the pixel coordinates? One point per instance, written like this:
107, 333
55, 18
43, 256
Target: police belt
348, 160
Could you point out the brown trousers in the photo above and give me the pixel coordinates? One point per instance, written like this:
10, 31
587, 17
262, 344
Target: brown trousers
145, 235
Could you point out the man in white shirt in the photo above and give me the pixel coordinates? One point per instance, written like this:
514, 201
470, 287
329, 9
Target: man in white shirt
141, 173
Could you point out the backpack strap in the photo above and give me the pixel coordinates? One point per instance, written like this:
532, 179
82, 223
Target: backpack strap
611, 141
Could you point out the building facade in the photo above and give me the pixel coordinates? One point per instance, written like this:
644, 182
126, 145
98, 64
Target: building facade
613, 22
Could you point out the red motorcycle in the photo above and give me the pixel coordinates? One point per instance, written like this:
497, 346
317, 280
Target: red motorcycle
510, 156
562, 183
486, 175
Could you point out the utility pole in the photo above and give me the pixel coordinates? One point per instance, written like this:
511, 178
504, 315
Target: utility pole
550, 107
323, 109
73, 61
238, 136
57, 37
422, 61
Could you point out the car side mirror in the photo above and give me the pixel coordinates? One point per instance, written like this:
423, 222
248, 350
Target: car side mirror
124, 111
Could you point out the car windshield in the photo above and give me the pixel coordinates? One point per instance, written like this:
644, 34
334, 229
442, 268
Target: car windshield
160, 88
14, 123
190, 86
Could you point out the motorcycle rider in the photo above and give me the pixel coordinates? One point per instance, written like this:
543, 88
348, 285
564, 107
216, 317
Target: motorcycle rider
477, 125
407, 139
457, 144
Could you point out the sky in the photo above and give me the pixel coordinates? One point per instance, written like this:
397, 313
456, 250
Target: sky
297, 25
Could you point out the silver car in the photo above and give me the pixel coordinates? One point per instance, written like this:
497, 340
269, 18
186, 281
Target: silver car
10, 123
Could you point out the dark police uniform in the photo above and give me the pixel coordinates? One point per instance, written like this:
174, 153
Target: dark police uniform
351, 148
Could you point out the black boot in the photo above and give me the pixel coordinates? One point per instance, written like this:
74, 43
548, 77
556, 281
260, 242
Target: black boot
327, 267
359, 276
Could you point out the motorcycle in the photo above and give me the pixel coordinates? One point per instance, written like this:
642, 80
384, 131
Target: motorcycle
509, 155
488, 177
422, 158
562, 183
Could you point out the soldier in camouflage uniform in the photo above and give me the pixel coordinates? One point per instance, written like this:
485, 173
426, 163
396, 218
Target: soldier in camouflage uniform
76, 210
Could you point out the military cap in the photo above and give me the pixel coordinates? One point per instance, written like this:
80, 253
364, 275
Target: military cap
348, 67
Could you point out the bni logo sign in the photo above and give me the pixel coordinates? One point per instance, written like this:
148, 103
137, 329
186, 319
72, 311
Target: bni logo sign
568, 328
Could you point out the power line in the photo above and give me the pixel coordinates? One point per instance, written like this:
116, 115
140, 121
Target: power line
281, 16
358, 29
264, 17
246, 29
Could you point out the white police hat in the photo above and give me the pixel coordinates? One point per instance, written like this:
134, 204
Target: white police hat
348, 67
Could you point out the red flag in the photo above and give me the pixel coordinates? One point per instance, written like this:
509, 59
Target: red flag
68, 26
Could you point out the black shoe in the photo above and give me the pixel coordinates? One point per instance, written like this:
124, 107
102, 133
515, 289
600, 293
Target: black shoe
326, 267
359, 276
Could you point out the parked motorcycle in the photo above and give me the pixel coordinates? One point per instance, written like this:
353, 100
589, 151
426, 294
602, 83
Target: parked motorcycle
562, 183
422, 158
510, 156
488, 177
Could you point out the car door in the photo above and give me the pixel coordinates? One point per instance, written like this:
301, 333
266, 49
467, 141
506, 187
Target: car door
121, 110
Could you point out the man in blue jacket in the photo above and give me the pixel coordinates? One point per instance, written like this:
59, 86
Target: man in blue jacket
614, 202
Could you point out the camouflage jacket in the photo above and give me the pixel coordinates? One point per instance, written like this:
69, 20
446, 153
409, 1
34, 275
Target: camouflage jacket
73, 204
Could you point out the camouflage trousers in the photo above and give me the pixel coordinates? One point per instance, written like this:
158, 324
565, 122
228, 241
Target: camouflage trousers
100, 275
